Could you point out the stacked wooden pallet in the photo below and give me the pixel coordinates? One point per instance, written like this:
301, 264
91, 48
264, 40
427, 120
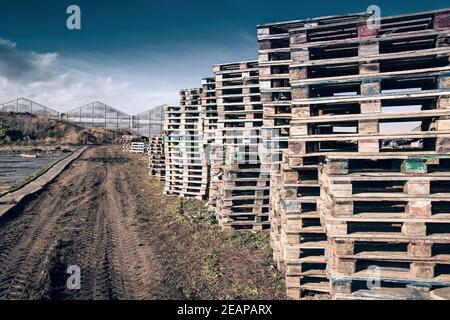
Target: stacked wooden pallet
186, 169
126, 142
276, 223
173, 150
157, 163
137, 147
349, 115
210, 119
297, 231
298, 239
209, 109
388, 221
243, 182
274, 60
375, 94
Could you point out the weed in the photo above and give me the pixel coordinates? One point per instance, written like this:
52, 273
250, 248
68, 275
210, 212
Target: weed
253, 240
211, 268
278, 281
194, 212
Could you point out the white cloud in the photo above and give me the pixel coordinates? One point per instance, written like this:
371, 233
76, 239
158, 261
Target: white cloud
44, 59
48, 79
7, 43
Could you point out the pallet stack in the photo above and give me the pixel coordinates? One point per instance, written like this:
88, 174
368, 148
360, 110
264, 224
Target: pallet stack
297, 237
349, 116
210, 119
209, 109
274, 60
297, 234
126, 142
186, 168
173, 150
137, 147
276, 96
388, 222
376, 99
243, 182
157, 163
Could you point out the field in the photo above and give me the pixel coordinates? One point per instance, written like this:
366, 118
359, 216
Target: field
16, 170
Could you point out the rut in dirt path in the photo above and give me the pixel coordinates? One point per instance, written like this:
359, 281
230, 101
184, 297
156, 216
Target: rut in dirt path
86, 218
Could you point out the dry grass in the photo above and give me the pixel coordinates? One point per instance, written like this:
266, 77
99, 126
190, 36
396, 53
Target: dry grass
28, 129
200, 260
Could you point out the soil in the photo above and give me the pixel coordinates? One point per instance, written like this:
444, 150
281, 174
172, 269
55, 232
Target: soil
106, 216
26, 128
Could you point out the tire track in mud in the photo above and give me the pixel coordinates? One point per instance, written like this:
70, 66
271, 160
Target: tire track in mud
134, 256
26, 241
85, 217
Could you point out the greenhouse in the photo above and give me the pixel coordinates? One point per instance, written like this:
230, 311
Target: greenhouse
149, 123
23, 105
95, 115
98, 115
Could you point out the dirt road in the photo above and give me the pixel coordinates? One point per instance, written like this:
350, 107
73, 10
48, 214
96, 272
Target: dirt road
103, 215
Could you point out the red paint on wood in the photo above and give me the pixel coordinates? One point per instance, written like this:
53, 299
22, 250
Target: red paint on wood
365, 32
442, 20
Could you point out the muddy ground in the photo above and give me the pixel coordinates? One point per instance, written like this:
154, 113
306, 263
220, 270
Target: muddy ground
131, 242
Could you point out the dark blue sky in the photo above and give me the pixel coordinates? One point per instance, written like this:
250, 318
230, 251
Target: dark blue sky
145, 50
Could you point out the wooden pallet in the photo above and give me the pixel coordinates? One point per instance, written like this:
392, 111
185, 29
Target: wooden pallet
275, 219
126, 141
297, 235
392, 213
137, 147
244, 198
347, 288
358, 93
185, 155
209, 109
156, 155
241, 183
210, 122
274, 61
